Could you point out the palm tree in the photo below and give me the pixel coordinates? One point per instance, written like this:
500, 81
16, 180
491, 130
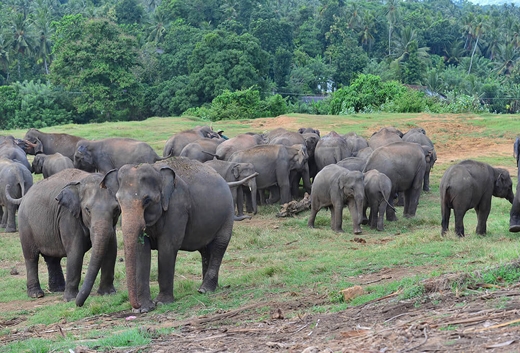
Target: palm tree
4, 56
454, 53
42, 20
404, 39
478, 30
506, 59
366, 38
158, 28
392, 13
22, 41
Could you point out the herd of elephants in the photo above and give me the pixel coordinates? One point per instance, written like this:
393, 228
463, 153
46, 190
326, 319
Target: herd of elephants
163, 202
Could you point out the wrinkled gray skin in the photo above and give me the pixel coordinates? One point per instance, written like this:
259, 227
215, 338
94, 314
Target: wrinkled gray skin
355, 142
176, 204
418, 136
112, 153
48, 143
9, 149
377, 195
471, 184
49, 164
232, 171
405, 164
384, 137
334, 187
201, 150
305, 130
331, 149
514, 214
239, 143
64, 216
177, 142
353, 163
15, 181
364, 153
281, 136
274, 163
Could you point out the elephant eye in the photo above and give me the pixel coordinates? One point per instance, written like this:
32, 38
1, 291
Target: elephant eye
146, 201
87, 210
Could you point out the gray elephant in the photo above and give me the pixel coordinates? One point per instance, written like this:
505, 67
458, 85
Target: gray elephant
353, 163
378, 188
239, 143
15, 182
177, 204
331, 149
305, 130
514, 214
201, 150
471, 184
274, 164
178, 141
418, 135
232, 171
355, 142
64, 216
405, 164
10, 149
49, 164
384, 137
50, 143
364, 153
334, 187
112, 153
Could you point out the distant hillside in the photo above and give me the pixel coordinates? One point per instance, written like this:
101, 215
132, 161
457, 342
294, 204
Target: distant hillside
494, 2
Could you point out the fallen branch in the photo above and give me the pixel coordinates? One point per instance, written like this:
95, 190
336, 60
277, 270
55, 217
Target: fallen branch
291, 208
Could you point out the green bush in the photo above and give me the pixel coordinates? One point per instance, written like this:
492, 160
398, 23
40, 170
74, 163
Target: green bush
410, 101
9, 104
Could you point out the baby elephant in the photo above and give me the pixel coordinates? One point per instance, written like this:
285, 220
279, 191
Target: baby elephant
470, 184
49, 164
377, 193
334, 187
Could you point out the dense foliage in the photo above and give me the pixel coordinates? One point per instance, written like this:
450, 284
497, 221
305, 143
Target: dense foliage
102, 60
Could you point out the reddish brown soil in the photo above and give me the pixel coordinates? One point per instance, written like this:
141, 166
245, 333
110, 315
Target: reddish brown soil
443, 322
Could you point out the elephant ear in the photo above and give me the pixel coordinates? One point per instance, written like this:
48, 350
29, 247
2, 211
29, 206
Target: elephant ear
69, 198
38, 148
236, 171
37, 164
110, 181
167, 186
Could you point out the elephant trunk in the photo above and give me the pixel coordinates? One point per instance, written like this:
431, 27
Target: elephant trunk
253, 189
132, 219
99, 242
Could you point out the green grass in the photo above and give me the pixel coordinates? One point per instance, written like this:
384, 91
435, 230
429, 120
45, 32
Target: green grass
283, 260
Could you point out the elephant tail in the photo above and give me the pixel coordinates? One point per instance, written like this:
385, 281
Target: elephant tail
215, 156
381, 187
233, 184
10, 198
241, 218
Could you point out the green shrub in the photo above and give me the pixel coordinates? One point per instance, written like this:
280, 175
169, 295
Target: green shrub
410, 101
9, 104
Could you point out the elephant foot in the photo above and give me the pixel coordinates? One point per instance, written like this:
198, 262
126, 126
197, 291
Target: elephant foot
69, 296
146, 306
380, 229
514, 228
364, 221
35, 293
10, 230
357, 232
339, 230
57, 287
164, 299
407, 215
108, 290
241, 218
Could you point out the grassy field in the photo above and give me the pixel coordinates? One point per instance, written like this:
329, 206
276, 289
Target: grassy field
277, 259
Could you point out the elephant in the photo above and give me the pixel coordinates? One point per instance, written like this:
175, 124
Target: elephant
384, 137
331, 149
378, 188
355, 142
514, 214
201, 150
50, 143
15, 182
364, 153
64, 216
274, 164
112, 153
353, 163
405, 164
471, 184
176, 204
239, 143
49, 164
10, 149
418, 135
304, 130
178, 141
232, 171
334, 187
311, 140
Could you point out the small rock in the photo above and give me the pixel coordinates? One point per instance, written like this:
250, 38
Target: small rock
352, 292
14, 271
277, 314
311, 349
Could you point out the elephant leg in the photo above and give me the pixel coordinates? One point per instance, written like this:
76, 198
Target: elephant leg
336, 220
482, 216
380, 215
445, 220
514, 214
74, 267
411, 201
274, 195
106, 282
312, 217
11, 219
34, 289
295, 184
143, 266
400, 199
426, 182
212, 256
365, 219
3, 213
354, 214
238, 199
459, 221
56, 278
390, 210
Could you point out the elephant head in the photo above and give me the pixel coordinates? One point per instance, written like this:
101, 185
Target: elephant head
83, 158
352, 186
37, 164
243, 170
98, 210
503, 185
140, 207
